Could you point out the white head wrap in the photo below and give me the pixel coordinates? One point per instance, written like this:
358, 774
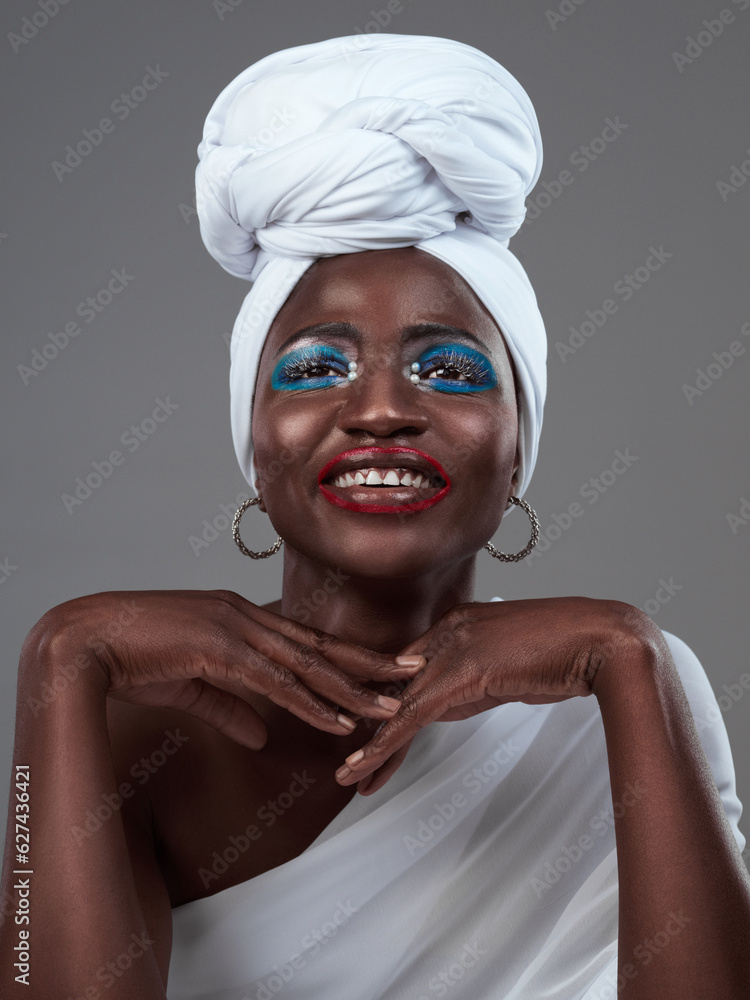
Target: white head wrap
372, 142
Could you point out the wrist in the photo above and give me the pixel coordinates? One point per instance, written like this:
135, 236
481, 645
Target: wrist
629, 652
59, 650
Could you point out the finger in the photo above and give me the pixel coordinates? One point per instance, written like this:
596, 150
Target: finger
375, 781
348, 656
298, 679
415, 713
222, 711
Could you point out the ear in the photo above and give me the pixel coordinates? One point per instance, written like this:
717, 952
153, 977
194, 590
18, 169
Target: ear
261, 505
514, 477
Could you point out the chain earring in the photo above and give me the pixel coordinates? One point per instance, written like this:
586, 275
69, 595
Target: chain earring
236, 533
517, 556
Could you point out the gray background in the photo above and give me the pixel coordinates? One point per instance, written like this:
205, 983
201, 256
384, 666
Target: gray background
129, 205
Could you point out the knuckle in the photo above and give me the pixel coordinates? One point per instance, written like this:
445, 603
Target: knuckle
308, 660
410, 712
281, 678
225, 595
456, 615
221, 637
321, 641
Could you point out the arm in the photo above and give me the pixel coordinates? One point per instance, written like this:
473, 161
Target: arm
84, 906
684, 910
94, 900
684, 893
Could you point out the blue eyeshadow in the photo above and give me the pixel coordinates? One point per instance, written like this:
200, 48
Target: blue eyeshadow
292, 371
480, 375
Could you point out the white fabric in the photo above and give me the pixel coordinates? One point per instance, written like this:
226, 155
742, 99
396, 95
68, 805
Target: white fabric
372, 142
400, 899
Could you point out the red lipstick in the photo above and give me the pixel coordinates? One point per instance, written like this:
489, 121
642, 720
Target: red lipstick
386, 498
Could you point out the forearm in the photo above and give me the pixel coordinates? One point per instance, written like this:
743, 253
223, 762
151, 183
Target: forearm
83, 909
684, 918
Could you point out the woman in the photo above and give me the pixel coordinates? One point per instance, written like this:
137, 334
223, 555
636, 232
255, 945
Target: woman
563, 831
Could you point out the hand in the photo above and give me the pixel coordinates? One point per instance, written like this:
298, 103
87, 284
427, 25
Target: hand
206, 652
479, 656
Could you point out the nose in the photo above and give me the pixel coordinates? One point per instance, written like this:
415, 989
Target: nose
382, 402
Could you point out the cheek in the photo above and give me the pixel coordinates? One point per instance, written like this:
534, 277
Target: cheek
482, 447
284, 438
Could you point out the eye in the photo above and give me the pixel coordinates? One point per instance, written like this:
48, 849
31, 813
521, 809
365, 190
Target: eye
454, 372
456, 368
310, 368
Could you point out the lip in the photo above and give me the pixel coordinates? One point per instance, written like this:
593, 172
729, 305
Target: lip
382, 458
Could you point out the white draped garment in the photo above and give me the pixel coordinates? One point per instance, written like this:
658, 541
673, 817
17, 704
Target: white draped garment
484, 869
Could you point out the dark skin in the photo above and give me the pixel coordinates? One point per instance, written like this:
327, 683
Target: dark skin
263, 694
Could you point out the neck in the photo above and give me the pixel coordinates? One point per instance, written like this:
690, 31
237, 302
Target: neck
383, 615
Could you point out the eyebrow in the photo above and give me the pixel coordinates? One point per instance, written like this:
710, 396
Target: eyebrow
347, 331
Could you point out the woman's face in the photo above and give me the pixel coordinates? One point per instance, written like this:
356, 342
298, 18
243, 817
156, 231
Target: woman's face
438, 457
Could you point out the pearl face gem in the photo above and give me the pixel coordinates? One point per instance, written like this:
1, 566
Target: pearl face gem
351, 376
352, 366
414, 379
416, 367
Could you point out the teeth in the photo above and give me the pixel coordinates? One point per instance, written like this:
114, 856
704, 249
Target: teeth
384, 477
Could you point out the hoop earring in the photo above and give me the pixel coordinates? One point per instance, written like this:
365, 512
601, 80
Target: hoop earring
517, 556
236, 533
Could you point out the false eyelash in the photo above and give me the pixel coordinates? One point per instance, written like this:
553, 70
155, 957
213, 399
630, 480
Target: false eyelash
476, 371
306, 360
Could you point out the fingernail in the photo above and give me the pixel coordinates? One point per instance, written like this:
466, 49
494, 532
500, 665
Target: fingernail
411, 661
347, 723
353, 759
392, 704
343, 772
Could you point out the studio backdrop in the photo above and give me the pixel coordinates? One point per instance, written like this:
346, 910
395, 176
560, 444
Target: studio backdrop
118, 466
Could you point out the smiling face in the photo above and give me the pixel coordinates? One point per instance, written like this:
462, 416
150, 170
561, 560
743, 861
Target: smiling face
385, 475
